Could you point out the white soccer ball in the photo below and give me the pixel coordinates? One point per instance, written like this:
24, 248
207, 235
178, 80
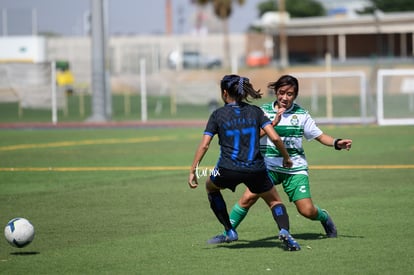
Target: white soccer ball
19, 232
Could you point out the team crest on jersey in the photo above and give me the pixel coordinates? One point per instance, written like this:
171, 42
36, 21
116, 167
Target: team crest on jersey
294, 120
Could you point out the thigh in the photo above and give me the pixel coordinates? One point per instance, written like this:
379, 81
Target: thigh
276, 177
296, 187
211, 187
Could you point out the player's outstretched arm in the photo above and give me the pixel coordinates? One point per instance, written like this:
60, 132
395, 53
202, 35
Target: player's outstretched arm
199, 154
337, 143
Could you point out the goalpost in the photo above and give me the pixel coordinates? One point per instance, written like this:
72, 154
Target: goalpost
338, 97
33, 86
395, 97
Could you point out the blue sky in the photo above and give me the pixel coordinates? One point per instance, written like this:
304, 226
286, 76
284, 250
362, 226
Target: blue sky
125, 16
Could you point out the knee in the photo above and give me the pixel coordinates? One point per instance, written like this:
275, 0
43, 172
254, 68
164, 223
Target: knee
246, 201
211, 187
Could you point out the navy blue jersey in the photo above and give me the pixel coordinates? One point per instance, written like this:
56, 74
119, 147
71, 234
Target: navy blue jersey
238, 129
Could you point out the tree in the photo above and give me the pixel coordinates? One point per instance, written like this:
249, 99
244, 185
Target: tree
223, 10
295, 8
388, 6
269, 5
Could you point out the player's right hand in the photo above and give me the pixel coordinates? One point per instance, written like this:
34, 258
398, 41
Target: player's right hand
287, 163
192, 180
278, 116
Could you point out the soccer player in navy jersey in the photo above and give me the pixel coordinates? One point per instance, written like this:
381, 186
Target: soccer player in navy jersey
237, 125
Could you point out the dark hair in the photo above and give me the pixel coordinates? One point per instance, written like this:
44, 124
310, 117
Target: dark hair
239, 87
285, 80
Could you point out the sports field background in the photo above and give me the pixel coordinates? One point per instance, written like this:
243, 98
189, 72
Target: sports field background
116, 201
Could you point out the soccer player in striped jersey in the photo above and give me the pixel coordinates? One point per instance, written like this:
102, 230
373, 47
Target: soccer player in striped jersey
238, 126
292, 123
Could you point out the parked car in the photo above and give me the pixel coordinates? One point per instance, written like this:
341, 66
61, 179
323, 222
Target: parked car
257, 59
301, 58
193, 60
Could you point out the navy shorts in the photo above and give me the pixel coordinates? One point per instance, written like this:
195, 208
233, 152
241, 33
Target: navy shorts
257, 181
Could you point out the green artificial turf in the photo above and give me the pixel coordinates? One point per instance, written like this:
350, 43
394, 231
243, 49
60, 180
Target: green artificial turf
116, 201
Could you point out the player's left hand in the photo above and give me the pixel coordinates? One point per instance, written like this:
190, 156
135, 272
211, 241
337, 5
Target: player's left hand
345, 144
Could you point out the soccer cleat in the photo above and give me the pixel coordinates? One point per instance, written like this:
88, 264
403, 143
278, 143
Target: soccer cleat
231, 236
329, 226
217, 239
288, 240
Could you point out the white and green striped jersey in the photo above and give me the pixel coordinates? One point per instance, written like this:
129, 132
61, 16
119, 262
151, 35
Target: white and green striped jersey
295, 124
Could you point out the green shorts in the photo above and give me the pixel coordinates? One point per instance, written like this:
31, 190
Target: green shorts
296, 186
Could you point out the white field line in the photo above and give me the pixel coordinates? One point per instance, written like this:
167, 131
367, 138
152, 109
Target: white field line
84, 142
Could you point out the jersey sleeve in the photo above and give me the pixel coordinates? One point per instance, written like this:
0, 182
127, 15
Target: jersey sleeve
311, 131
264, 119
212, 125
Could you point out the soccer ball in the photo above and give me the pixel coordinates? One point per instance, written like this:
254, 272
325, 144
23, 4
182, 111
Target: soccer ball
19, 232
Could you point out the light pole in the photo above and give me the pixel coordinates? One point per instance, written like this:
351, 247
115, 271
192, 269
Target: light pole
100, 89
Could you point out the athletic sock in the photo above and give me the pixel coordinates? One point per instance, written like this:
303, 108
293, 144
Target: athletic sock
218, 205
237, 215
322, 215
280, 216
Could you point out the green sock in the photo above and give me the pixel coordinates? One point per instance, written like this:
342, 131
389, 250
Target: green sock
322, 215
237, 214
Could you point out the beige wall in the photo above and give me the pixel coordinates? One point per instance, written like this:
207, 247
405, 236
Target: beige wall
125, 52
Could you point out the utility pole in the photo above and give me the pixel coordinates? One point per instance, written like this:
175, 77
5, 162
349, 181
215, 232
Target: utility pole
168, 17
284, 59
4, 21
